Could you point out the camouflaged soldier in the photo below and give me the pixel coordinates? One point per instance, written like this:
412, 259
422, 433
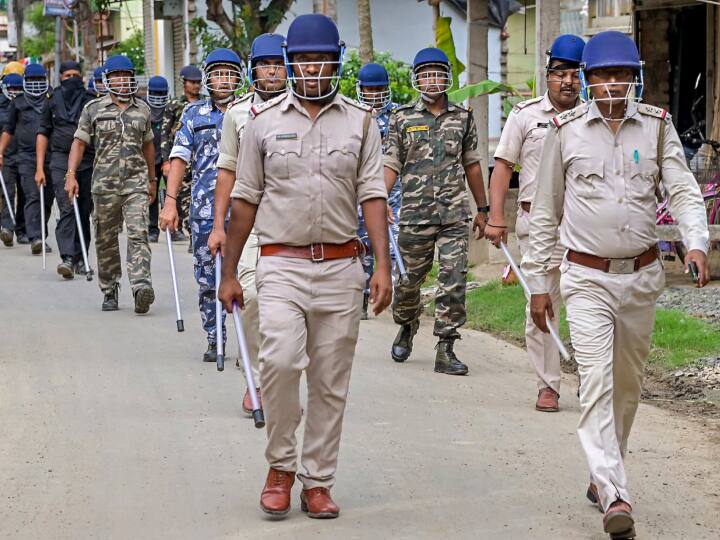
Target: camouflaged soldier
118, 126
432, 145
191, 78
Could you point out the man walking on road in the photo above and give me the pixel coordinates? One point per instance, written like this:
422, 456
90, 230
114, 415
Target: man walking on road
57, 127
521, 143
157, 97
601, 166
123, 182
268, 77
432, 144
307, 159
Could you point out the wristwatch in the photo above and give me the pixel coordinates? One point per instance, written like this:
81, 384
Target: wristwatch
483, 209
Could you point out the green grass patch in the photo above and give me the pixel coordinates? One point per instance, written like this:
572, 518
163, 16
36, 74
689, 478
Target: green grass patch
678, 339
431, 278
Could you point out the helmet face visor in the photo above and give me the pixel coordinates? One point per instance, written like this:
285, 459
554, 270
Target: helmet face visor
315, 76
432, 79
620, 87
35, 86
269, 78
223, 79
11, 92
120, 83
377, 99
156, 99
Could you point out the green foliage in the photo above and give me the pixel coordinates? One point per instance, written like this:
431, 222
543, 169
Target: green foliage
680, 339
134, 48
445, 42
398, 72
210, 38
44, 40
478, 89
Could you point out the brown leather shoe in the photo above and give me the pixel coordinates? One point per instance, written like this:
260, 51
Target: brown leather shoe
247, 402
275, 496
318, 503
547, 400
618, 521
593, 496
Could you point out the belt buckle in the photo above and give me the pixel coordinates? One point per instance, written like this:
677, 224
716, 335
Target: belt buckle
321, 258
621, 266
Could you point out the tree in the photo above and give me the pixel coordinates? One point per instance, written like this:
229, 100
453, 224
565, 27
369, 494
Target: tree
326, 7
44, 39
134, 48
365, 27
239, 28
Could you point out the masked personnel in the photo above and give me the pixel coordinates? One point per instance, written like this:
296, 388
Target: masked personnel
98, 84
432, 145
197, 144
521, 143
57, 127
601, 166
12, 86
23, 122
268, 77
373, 90
191, 79
123, 183
157, 97
307, 159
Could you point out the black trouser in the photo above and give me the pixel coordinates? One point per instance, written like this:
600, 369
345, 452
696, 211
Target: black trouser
155, 206
66, 235
12, 183
32, 198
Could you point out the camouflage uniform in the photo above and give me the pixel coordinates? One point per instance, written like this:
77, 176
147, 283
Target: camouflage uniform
197, 143
120, 186
382, 117
170, 126
430, 153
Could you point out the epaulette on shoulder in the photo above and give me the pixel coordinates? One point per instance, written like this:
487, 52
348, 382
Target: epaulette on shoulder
95, 100
568, 116
520, 106
241, 99
259, 108
651, 110
357, 104
139, 100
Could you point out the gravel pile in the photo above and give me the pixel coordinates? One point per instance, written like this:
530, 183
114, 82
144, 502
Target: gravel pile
705, 371
704, 303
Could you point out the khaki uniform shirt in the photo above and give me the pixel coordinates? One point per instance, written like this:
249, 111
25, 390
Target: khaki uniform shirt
118, 137
602, 187
307, 177
235, 118
430, 154
522, 139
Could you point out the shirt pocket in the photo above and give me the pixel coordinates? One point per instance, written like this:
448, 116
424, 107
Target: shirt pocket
106, 125
587, 178
343, 157
418, 145
283, 158
641, 185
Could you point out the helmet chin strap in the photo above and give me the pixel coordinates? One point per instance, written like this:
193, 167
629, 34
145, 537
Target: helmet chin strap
427, 99
123, 99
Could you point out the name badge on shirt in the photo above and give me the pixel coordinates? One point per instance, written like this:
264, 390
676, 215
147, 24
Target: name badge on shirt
286, 136
543, 124
413, 129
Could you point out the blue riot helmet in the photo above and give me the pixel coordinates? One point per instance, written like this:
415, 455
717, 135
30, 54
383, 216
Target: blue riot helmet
223, 74
35, 81
611, 49
373, 75
12, 85
313, 33
267, 47
190, 73
432, 73
99, 85
158, 91
567, 48
119, 77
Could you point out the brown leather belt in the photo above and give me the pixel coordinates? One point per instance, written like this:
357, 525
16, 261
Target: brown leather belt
614, 266
313, 252
525, 206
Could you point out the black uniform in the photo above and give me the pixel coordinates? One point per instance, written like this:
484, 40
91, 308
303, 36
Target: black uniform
59, 122
23, 124
156, 119
11, 177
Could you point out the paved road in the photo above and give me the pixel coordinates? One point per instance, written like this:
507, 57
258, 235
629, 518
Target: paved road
112, 428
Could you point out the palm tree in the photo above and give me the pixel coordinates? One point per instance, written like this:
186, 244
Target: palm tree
365, 26
326, 7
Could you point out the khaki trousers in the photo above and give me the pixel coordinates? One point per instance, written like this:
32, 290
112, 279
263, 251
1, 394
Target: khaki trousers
246, 277
544, 354
309, 320
611, 319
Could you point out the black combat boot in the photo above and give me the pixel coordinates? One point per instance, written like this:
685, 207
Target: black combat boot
211, 353
366, 300
65, 268
445, 360
110, 303
6, 235
144, 296
402, 346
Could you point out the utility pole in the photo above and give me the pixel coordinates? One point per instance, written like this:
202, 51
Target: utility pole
148, 23
365, 28
58, 49
547, 28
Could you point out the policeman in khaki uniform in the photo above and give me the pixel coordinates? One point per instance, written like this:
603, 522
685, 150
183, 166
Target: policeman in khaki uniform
268, 77
123, 182
521, 142
432, 144
307, 158
597, 179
